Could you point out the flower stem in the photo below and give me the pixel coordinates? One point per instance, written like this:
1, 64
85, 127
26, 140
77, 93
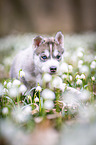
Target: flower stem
39, 103
18, 97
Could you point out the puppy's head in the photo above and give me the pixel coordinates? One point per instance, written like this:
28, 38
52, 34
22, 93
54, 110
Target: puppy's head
48, 53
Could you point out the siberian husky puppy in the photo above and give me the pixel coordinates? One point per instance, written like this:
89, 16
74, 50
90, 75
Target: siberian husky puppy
44, 55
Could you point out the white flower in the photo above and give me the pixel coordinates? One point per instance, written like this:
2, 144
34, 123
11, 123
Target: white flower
77, 77
93, 65
36, 99
70, 77
48, 104
21, 114
38, 88
70, 68
5, 83
5, 110
80, 54
63, 68
93, 78
82, 76
16, 82
79, 82
5, 90
47, 77
27, 110
9, 85
38, 119
64, 76
80, 62
29, 97
22, 89
22, 74
62, 87
48, 94
80, 51
56, 83
13, 92
84, 69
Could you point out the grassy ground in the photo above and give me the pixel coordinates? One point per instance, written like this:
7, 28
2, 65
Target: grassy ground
63, 113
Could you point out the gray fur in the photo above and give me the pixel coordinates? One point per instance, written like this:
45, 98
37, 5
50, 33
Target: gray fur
24, 61
29, 60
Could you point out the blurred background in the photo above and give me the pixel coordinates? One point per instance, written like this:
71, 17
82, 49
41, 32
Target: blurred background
47, 16
20, 22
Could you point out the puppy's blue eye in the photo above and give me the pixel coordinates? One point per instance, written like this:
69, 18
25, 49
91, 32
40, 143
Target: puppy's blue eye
43, 57
58, 57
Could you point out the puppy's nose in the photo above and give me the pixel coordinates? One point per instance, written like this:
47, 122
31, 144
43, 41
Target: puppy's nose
53, 69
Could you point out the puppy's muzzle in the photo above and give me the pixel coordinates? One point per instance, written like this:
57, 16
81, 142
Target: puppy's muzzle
53, 69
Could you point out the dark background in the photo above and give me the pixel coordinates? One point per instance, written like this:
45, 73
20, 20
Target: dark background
47, 16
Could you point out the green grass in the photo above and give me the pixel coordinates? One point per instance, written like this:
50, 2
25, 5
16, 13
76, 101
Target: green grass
68, 97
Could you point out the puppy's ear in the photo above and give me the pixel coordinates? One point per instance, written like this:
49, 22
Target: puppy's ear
38, 40
59, 38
